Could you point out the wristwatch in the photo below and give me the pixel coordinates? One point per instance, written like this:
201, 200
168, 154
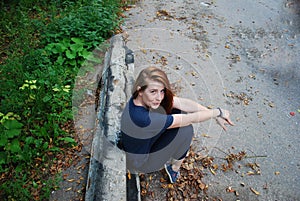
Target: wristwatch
221, 113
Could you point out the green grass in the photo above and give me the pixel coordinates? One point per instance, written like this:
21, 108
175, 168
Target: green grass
42, 46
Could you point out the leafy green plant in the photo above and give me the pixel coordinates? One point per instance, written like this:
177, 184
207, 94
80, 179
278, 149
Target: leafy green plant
10, 129
44, 45
94, 22
69, 52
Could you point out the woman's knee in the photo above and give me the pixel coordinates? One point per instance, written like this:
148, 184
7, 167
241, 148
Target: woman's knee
187, 130
185, 134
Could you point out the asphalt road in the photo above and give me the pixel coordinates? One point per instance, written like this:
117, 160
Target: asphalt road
242, 56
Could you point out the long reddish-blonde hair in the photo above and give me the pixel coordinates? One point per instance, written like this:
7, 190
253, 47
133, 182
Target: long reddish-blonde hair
154, 74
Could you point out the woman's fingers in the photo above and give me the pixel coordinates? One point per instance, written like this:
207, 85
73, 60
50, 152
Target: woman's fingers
226, 118
222, 121
229, 122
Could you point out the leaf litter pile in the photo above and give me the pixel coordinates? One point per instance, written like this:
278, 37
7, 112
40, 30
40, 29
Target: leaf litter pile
190, 185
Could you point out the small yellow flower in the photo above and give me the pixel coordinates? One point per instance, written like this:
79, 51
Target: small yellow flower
55, 89
32, 96
33, 87
24, 86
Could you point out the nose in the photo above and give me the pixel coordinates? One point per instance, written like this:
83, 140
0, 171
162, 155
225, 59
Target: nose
160, 96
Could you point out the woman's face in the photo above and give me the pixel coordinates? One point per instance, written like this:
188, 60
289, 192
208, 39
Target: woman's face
153, 95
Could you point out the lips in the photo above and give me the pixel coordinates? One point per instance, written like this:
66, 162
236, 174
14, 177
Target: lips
155, 105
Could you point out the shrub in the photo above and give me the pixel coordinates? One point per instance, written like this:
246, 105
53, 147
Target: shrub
44, 44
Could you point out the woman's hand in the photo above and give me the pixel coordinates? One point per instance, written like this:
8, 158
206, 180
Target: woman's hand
224, 119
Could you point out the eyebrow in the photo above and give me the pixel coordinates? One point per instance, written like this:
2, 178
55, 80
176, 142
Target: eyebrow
164, 89
151, 87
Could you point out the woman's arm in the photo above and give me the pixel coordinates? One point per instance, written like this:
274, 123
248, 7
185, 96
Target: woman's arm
181, 120
187, 105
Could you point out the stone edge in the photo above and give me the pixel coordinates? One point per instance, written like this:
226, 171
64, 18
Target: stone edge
107, 168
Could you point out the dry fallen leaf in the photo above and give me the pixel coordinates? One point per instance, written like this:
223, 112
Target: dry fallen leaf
68, 189
229, 189
212, 171
65, 176
265, 186
162, 180
129, 175
77, 168
202, 186
272, 105
254, 191
252, 76
162, 13
144, 192
205, 135
193, 73
143, 50
215, 166
251, 173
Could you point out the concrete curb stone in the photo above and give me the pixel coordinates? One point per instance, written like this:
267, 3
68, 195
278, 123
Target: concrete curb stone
107, 168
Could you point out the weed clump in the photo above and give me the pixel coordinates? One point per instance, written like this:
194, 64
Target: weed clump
43, 46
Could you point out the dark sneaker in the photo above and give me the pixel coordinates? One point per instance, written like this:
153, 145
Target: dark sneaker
171, 173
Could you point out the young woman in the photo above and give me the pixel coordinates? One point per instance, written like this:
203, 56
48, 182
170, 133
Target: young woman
156, 126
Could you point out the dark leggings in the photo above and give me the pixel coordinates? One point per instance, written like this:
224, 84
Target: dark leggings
181, 137
173, 143
186, 135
